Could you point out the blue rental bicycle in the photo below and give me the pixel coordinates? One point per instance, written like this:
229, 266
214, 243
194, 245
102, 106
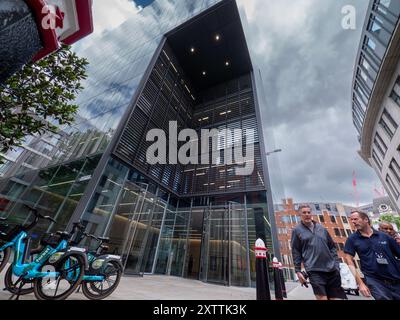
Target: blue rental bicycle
100, 279
56, 268
105, 270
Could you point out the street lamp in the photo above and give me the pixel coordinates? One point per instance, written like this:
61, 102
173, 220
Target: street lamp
275, 151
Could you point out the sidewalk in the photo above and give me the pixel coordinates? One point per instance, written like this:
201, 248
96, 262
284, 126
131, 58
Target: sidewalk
159, 287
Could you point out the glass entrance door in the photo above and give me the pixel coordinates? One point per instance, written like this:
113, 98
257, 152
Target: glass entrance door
194, 244
225, 254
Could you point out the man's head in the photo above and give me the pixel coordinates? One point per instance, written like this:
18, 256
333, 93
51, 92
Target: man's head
387, 227
305, 213
360, 220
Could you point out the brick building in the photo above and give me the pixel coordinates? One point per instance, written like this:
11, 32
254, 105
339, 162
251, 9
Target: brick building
333, 216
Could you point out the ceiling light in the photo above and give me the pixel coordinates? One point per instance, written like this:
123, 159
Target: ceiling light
227, 63
191, 49
204, 73
217, 37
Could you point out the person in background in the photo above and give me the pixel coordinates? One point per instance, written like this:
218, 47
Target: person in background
378, 253
388, 228
313, 246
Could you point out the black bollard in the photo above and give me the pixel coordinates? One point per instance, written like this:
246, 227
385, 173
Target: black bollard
262, 284
277, 280
282, 277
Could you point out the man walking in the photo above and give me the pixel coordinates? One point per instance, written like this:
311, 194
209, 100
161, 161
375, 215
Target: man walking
313, 246
377, 252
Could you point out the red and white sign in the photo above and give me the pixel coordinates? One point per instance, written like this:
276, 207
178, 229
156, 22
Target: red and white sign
260, 249
61, 21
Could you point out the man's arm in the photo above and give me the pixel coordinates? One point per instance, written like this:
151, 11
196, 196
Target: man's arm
297, 257
394, 247
331, 246
363, 288
296, 252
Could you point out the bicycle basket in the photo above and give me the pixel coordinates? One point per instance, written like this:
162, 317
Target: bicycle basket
7, 232
50, 239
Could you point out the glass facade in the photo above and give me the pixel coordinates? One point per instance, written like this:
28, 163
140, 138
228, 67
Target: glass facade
383, 17
198, 221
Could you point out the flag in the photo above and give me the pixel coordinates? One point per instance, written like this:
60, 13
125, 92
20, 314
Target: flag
354, 179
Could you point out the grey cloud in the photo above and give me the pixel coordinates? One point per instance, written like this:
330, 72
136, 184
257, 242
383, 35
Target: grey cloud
307, 82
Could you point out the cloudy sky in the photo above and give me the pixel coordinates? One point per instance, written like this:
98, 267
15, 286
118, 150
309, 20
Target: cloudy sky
306, 60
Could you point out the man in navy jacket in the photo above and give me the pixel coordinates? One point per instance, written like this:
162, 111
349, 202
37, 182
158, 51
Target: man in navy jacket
378, 253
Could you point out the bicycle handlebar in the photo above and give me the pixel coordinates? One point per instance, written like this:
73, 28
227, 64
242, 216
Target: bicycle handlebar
88, 235
37, 217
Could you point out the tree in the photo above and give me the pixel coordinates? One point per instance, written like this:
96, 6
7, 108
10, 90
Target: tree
390, 218
38, 98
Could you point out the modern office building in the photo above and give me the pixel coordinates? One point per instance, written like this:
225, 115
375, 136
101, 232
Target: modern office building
376, 94
175, 61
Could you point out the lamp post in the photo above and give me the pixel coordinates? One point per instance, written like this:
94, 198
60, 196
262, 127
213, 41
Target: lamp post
271, 214
274, 151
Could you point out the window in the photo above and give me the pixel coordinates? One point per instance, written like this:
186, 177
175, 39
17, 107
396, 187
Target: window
321, 218
285, 219
341, 246
387, 129
395, 95
380, 145
388, 123
392, 187
377, 160
317, 207
348, 232
342, 233
333, 219
337, 232
344, 219
328, 207
395, 169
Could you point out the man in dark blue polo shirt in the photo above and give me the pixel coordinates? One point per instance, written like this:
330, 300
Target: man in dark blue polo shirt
377, 252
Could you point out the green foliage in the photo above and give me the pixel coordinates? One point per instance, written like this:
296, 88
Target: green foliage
390, 218
37, 99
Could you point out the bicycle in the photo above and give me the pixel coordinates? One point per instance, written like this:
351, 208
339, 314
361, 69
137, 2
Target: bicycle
63, 267
103, 268
106, 265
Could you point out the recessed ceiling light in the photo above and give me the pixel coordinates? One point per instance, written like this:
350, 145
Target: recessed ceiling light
217, 37
227, 63
204, 73
192, 49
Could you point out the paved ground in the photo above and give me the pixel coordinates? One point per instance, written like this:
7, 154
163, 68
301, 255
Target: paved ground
297, 292
156, 287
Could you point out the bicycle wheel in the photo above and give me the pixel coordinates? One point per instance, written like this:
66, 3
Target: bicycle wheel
70, 271
4, 257
97, 290
10, 283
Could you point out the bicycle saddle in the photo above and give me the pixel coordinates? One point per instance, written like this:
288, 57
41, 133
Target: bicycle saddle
104, 239
63, 234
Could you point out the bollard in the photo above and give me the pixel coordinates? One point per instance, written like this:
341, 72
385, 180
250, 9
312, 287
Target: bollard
262, 284
277, 280
282, 277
